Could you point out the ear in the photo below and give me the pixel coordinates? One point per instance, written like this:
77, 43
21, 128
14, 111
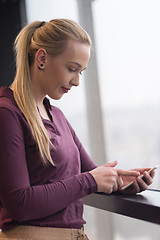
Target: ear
40, 58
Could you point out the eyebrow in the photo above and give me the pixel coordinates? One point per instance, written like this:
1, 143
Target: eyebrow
79, 65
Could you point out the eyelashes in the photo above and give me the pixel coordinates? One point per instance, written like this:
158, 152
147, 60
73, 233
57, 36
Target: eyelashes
71, 70
74, 70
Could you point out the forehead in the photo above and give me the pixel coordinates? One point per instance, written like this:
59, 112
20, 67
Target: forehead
76, 52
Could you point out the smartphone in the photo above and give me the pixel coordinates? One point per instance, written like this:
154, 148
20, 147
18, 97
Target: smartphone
129, 184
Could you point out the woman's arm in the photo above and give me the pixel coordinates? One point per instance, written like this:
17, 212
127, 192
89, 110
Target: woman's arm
22, 201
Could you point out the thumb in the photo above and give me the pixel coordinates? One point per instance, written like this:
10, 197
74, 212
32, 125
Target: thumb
112, 164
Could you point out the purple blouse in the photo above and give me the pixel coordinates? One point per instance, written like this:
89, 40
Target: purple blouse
32, 193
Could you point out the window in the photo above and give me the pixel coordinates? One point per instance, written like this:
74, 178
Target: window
127, 40
127, 37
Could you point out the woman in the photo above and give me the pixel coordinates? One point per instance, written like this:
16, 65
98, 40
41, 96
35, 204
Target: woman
44, 170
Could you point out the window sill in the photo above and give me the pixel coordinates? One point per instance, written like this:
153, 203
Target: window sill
144, 206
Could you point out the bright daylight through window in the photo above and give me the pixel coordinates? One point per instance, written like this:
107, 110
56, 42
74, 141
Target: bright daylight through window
127, 47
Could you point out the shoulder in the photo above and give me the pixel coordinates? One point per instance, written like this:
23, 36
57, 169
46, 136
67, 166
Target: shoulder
6, 103
10, 113
7, 99
12, 121
8, 107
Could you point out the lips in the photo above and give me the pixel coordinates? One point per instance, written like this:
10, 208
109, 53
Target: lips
65, 90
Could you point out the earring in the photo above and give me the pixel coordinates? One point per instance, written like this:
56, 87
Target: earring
41, 66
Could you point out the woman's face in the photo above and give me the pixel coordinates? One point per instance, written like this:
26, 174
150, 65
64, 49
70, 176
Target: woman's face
61, 73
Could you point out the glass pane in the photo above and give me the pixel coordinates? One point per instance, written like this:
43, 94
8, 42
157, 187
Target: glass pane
127, 46
127, 40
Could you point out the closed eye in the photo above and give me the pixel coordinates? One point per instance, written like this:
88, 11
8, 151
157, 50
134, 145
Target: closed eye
74, 70
71, 70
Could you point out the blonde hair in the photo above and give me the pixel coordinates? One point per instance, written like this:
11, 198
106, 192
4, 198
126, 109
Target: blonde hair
53, 37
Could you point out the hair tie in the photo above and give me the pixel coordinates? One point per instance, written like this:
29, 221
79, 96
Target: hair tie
41, 24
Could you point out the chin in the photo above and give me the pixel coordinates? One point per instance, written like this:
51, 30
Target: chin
55, 97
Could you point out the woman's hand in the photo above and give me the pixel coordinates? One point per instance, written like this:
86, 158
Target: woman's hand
109, 179
139, 184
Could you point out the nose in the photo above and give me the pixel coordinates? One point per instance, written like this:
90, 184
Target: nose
75, 81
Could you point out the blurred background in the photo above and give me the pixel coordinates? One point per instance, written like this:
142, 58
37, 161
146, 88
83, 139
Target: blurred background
116, 109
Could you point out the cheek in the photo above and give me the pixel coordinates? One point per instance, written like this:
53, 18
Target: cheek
62, 77
58, 76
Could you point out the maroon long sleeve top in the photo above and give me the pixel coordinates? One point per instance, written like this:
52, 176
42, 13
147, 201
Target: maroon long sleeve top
32, 193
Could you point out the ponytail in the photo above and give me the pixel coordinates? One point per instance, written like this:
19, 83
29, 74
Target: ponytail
22, 89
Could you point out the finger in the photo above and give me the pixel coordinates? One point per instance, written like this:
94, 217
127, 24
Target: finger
112, 164
152, 174
147, 178
136, 187
115, 187
109, 190
122, 172
133, 189
141, 170
119, 182
142, 185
